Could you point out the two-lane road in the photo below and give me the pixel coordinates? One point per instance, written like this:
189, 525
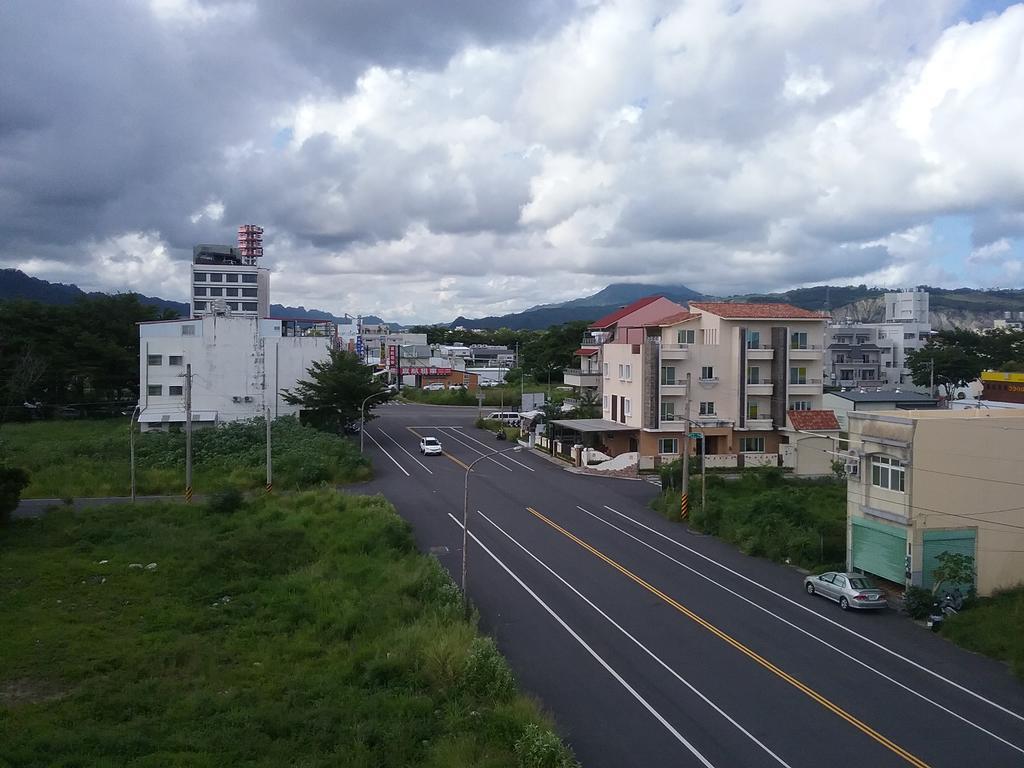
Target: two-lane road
653, 646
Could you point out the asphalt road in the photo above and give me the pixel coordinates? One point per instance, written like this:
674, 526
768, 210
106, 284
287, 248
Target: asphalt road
652, 646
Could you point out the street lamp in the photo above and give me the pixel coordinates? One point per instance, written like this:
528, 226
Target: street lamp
465, 518
131, 443
362, 415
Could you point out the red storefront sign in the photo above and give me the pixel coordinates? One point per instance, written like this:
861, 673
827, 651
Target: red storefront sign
425, 371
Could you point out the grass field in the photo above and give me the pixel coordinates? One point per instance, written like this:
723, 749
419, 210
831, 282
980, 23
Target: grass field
994, 626
91, 458
301, 631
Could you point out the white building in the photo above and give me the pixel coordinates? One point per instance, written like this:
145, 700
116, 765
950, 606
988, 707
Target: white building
223, 277
239, 367
875, 354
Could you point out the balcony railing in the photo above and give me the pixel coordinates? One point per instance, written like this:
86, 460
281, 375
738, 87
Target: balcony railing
803, 382
580, 372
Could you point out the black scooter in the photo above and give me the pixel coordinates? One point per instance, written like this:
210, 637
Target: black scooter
935, 617
501, 435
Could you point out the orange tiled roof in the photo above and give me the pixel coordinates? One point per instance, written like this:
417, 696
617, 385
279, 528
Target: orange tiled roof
584, 352
739, 311
814, 421
614, 317
678, 317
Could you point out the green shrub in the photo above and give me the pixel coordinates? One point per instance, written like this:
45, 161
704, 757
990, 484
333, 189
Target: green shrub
225, 501
13, 481
486, 674
917, 602
540, 748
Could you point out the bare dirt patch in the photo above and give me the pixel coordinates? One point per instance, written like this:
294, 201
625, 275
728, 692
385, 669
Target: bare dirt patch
21, 691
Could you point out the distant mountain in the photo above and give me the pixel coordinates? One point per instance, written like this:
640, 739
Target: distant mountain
15, 284
592, 307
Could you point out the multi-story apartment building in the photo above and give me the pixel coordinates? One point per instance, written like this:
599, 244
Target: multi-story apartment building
749, 365
875, 354
223, 278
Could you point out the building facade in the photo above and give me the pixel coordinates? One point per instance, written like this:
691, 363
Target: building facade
925, 482
223, 279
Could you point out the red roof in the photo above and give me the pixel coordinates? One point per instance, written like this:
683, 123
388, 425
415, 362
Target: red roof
614, 317
583, 352
814, 421
678, 317
739, 311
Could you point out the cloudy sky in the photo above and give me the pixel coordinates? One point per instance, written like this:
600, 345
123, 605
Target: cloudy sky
421, 160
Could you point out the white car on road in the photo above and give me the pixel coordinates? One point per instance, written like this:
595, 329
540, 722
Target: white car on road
430, 446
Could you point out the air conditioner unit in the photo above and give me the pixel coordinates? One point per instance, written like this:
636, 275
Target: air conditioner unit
248, 399
236, 399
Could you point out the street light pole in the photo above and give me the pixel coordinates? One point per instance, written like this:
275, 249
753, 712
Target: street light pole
131, 443
188, 433
362, 416
465, 518
685, 485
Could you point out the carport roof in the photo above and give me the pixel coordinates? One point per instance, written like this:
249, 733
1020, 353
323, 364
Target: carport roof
593, 425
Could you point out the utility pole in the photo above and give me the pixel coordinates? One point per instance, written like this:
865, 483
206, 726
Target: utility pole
931, 381
685, 486
131, 444
703, 468
188, 433
270, 466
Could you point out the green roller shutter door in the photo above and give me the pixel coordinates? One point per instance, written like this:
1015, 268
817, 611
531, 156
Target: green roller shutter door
959, 540
879, 549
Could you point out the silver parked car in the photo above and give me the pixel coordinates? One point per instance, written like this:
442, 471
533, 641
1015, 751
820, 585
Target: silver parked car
850, 590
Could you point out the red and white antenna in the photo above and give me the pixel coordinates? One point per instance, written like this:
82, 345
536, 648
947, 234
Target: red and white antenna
250, 243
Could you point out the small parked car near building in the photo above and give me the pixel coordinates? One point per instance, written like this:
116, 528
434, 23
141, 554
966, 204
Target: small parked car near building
430, 446
850, 590
436, 386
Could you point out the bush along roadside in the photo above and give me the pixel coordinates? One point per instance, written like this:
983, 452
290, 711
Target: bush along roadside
766, 514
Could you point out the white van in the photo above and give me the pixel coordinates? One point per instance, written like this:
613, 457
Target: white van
507, 417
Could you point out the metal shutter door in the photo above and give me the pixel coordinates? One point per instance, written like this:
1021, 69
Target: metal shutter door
959, 540
879, 549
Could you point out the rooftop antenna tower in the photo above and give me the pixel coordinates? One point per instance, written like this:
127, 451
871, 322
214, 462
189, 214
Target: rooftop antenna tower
250, 243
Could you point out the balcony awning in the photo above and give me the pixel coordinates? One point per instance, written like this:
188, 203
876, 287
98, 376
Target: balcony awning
583, 352
593, 425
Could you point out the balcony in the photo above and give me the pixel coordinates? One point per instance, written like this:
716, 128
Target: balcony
759, 388
760, 353
675, 387
709, 382
758, 424
810, 352
577, 377
672, 421
805, 387
711, 420
675, 351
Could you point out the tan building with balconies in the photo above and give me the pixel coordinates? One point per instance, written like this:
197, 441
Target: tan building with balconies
926, 482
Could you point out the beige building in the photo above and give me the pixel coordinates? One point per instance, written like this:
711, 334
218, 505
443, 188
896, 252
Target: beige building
925, 482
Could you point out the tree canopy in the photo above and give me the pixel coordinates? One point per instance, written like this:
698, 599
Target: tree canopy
960, 355
331, 398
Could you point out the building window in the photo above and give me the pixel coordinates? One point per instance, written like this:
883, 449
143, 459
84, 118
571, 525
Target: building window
216, 277
751, 410
753, 375
751, 445
231, 277
155, 390
174, 391
189, 330
174, 359
627, 409
798, 340
154, 359
249, 293
216, 291
801, 405
668, 411
846, 374
200, 290
199, 277
868, 375
230, 291
249, 278
604, 401
887, 473
200, 306
606, 370
753, 339
668, 375
625, 372
707, 408
797, 375
233, 306
862, 339
249, 306
709, 335
707, 372
685, 337
668, 445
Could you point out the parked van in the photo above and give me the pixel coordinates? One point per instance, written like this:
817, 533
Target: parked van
507, 417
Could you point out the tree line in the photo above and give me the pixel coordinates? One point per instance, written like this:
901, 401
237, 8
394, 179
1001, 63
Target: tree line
958, 356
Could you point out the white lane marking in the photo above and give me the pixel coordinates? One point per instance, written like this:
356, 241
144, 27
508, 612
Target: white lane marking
636, 642
402, 448
482, 453
506, 457
668, 726
803, 631
387, 454
814, 613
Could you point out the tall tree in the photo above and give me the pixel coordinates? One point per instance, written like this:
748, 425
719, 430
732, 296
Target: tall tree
954, 367
330, 400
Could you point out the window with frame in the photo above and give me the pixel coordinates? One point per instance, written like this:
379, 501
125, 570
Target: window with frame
231, 277
751, 410
199, 277
685, 337
200, 306
868, 375
668, 445
668, 411
604, 401
797, 375
707, 372
627, 407
154, 359
622, 372
753, 339
753, 375
174, 359
249, 293
801, 405
888, 473
233, 306
189, 330
216, 277
668, 374
248, 306
175, 390
798, 340
605, 370
216, 291
249, 278
707, 408
200, 290
862, 339
751, 445
231, 291
155, 390
846, 374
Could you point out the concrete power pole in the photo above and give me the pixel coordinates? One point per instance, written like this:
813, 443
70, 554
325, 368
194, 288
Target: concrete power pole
685, 486
188, 433
270, 465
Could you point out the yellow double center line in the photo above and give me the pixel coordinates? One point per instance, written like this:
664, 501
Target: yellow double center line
860, 725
